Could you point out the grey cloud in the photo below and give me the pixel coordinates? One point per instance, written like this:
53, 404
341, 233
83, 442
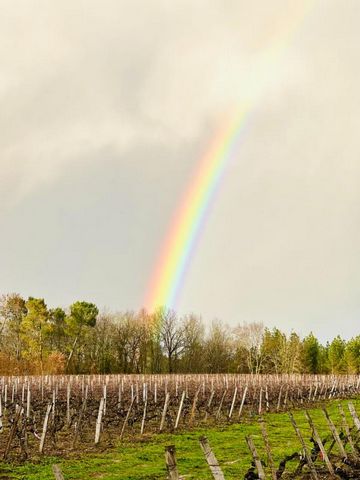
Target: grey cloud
106, 108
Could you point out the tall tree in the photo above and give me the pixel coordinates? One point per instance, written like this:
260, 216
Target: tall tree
12, 312
172, 337
336, 355
35, 331
82, 317
310, 355
192, 360
274, 350
57, 318
352, 355
293, 354
219, 350
249, 337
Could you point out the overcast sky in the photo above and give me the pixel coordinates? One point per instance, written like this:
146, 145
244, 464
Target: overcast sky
105, 110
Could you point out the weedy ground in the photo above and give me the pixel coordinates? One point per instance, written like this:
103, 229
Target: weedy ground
140, 459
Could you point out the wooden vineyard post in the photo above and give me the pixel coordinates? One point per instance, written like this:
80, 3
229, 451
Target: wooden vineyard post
260, 401
335, 434
305, 448
256, 458
12, 431
98, 420
347, 429
1, 423
209, 404
286, 395
218, 413
45, 426
163, 415
320, 443
104, 396
143, 418
354, 416
279, 399
53, 405
211, 459
243, 400
170, 459
179, 410
126, 418
267, 448
193, 408
57, 472
68, 394
267, 398
28, 401
78, 423
233, 403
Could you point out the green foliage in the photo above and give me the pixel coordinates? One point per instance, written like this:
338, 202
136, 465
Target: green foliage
34, 338
12, 312
352, 355
82, 314
336, 355
274, 351
35, 330
311, 354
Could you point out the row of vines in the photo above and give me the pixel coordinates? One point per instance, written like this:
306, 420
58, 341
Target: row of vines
59, 414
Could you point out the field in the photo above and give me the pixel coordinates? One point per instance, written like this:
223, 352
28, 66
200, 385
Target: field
117, 427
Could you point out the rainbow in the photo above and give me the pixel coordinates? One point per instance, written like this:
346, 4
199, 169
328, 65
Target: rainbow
191, 214
189, 219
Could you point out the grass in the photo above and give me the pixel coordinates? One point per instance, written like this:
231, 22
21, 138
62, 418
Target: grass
144, 459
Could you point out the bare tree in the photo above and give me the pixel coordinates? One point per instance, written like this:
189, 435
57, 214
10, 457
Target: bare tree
171, 336
219, 348
249, 336
193, 355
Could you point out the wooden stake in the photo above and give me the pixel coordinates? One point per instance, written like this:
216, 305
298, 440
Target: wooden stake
243, 400
12, 431
68, 393
268, 448
320, 443
233, 403
260, 401
209, 404
98, 420
143, 418
45, 426
1, 413
126, 419
78, 423
179, 410
28, 402
167, 397
170, 459
211, 459
354, 416
305, 448
347, 430
256, 458
192, 414
57, 472
221, 403
335, 434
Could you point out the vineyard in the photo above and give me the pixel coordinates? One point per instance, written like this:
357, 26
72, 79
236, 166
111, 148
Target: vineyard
56, 415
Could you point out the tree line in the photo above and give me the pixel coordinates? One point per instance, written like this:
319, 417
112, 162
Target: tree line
35, 339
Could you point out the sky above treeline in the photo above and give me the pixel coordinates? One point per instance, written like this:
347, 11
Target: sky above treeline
106, 108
